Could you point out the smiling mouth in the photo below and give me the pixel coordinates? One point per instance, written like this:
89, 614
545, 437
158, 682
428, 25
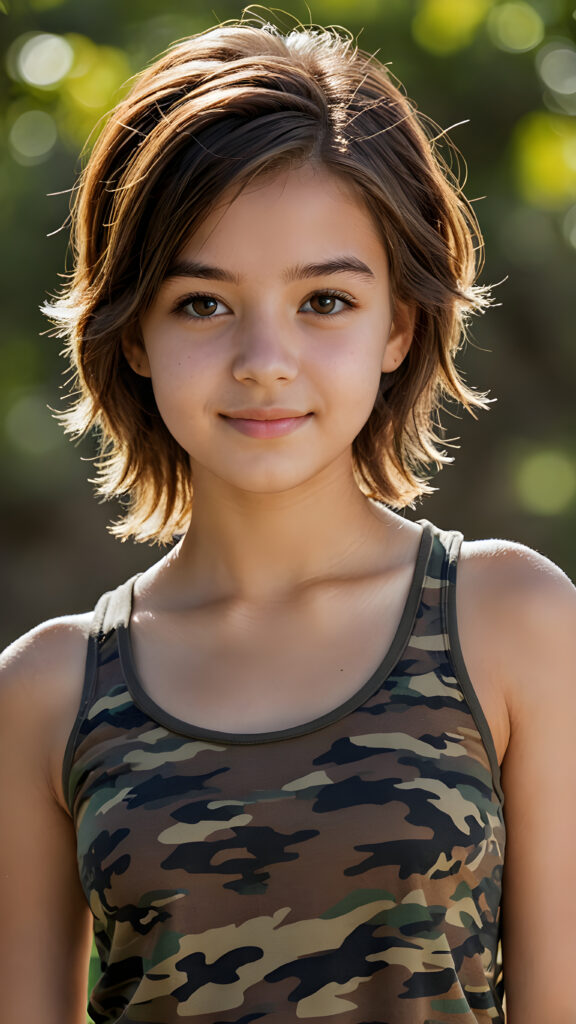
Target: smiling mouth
263, 423
265, 414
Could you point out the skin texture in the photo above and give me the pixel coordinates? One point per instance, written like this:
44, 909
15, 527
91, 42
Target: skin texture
287, 563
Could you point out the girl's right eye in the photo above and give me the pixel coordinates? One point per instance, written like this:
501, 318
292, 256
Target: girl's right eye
200, 307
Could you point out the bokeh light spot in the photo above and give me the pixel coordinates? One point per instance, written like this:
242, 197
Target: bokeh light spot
446, 26
557, 67
33, 137
44, 60
545, 159
96, 74
515, 27
546, 482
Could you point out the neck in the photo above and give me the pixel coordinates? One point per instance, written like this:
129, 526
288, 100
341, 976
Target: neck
266, 546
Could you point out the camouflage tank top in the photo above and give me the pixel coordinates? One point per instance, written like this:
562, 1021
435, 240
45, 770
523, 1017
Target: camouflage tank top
348, 869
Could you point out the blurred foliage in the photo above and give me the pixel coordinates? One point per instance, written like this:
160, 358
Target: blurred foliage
503, 73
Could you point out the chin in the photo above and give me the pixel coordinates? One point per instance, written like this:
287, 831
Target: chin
274, 482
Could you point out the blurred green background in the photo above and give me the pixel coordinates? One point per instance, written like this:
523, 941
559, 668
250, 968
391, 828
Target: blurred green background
507, 68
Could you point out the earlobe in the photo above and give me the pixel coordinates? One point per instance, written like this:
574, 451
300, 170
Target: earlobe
135, 353
400, 337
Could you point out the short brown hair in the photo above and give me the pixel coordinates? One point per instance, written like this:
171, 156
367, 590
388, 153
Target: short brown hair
215, 111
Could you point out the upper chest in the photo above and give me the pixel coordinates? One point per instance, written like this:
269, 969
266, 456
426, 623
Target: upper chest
252, 669
256, 670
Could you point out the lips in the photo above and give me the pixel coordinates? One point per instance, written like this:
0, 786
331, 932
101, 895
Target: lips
266, 423
260, 413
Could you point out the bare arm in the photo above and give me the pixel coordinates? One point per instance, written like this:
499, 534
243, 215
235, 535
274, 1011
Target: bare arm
45, 921
518, 616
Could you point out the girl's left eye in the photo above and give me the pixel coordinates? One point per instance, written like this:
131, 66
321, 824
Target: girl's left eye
326, 303
201, 307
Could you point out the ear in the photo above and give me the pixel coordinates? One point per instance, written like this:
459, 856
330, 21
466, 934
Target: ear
400, 337
135, 353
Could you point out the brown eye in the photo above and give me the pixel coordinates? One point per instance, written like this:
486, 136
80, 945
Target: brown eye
323, 303
202, 305
327, 303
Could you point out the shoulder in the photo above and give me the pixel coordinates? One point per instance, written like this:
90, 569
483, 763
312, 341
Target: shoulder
41, 678
521, 608
46, 649
499, 574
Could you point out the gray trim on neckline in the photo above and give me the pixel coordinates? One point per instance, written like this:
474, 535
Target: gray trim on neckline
158, 714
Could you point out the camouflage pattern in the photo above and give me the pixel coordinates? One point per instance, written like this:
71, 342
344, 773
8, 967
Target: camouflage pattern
346, 870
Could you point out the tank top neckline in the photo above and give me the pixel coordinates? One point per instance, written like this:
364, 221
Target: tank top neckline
162, 717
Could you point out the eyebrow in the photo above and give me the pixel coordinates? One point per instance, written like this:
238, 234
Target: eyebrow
300, 272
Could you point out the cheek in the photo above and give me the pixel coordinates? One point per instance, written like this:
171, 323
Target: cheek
178, 390
364, 402
356, 374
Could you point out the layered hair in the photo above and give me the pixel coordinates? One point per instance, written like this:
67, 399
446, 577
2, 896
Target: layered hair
213, 113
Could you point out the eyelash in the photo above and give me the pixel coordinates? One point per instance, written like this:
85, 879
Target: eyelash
333, 293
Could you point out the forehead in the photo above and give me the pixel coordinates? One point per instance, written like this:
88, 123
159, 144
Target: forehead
289, 215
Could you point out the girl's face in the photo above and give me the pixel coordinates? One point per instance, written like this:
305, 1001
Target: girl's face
266, 340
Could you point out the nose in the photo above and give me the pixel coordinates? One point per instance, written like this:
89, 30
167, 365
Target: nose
264, 356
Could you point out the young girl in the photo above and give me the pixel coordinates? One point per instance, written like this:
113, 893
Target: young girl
267, 771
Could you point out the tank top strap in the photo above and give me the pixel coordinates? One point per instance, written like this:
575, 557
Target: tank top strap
112, 612
443, 560
436, 628
111, 616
